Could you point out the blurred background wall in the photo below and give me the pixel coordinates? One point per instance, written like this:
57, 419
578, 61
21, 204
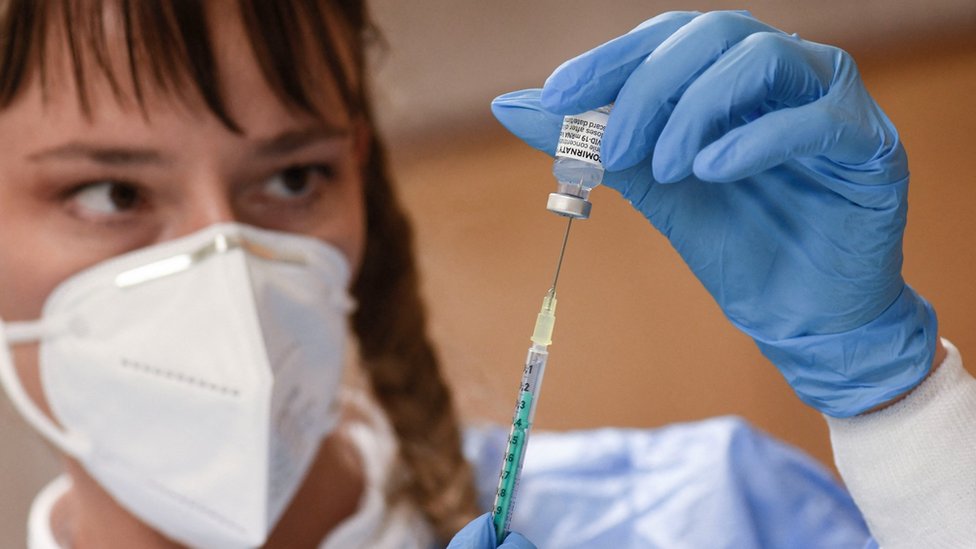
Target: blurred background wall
639, 342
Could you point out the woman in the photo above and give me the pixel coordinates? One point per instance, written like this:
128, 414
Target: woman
190, 192
138, 123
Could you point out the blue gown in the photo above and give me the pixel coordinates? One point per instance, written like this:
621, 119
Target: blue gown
718, 483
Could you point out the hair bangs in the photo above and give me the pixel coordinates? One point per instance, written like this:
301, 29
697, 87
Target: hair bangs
302, 48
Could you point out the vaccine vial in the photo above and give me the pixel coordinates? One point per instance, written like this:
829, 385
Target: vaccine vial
578, 168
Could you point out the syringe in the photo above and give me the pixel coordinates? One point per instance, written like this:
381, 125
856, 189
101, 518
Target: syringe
528, 397
578, 170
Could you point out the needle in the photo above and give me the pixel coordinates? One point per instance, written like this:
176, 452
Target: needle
562, 252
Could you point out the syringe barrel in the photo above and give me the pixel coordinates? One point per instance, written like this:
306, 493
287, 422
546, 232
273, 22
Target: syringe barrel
535, 368
523, 416
518, 437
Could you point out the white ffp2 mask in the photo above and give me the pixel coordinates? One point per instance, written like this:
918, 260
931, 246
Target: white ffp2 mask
194, 379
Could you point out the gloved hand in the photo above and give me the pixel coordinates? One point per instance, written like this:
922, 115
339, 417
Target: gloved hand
480, 534
764, 161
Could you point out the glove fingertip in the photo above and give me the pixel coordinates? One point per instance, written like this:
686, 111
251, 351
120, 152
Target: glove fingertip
514, 540
712, 168
612, 156
747, 151
620, 159
622, 146
667, 171
520, 113
477, 534
515, 99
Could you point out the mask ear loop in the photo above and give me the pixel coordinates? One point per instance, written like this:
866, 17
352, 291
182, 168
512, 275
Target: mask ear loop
24, 332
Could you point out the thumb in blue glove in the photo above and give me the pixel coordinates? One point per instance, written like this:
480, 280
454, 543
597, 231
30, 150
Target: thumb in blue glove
480, 534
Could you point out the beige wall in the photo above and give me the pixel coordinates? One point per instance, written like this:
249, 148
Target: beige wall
447, 58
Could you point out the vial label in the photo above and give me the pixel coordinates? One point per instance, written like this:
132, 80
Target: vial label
581, 135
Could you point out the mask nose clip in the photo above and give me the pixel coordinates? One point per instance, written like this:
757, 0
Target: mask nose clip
223, 241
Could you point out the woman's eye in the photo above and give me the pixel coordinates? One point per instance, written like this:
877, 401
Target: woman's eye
106, 198
298, 182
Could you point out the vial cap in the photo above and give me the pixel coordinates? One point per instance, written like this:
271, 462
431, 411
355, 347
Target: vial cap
568, 205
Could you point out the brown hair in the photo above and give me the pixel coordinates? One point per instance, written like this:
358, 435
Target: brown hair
168, 46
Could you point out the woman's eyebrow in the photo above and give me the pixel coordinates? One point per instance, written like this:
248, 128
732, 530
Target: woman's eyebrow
113, 155
283, 143
291, 140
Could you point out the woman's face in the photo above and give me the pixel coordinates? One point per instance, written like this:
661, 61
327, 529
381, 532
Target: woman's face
76, 190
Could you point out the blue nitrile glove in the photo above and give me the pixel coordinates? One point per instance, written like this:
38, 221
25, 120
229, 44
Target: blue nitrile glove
776, 177
480, 534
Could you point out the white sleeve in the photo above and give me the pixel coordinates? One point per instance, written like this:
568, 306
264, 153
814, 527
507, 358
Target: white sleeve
911, 467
